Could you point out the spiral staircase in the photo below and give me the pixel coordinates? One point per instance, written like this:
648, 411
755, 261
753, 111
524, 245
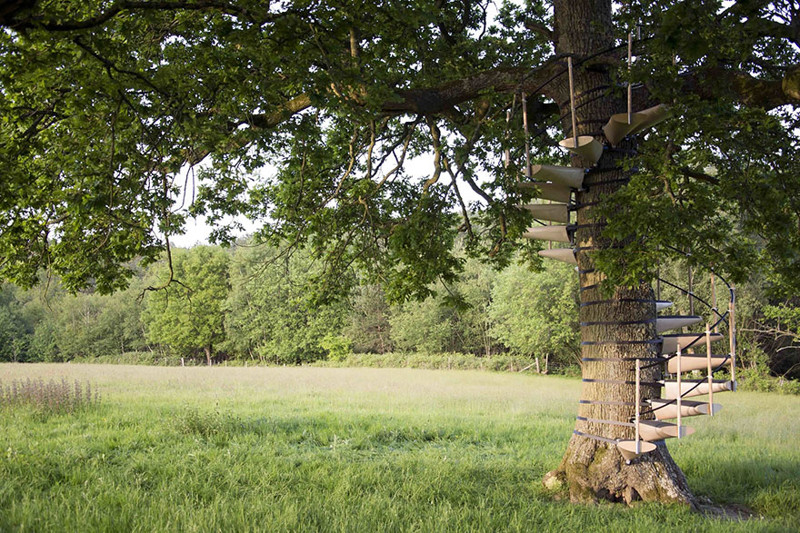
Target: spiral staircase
679, 352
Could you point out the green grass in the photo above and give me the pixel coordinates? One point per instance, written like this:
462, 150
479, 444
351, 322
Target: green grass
338, 449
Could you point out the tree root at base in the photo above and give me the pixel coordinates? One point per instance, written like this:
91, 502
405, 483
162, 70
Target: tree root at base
593, 471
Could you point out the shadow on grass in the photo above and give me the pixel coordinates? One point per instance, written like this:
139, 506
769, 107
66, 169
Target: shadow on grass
770, 487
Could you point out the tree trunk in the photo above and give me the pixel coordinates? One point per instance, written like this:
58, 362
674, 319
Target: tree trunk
207, 349
616, 328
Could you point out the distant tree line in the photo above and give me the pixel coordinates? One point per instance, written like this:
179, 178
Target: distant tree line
249, 302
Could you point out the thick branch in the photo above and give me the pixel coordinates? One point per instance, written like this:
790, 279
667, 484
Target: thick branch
282, 113
439, 99
747, 89
434, 100
702, 176
442, 99
540, 29
9, 10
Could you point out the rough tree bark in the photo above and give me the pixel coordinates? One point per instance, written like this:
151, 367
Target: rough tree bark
619, 327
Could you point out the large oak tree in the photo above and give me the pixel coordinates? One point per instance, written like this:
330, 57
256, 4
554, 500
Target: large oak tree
303, 115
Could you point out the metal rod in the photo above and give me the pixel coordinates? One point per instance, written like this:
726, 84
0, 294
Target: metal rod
732, 334
507, 152
638, 403
691, 291
572, 103
658, 274
714, 299
527, 141
680, 391
630, 89
710, 374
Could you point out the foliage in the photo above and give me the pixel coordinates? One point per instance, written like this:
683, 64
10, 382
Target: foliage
149, 358
15, 330
338, 347
369, 327
188, 315
720, 179
756, 376
453, 320
778, 331
49, 325
427, 326
535, 313
90, 327
437, 361
303, 116
205, 424
787, 317
523, 312
471, 297
270, 316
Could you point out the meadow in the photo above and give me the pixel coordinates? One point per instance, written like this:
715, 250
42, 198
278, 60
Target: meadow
356, 449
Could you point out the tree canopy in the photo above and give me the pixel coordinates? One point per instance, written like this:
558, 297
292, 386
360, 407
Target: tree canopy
303, 115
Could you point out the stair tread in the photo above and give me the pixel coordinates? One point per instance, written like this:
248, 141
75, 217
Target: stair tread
693, 334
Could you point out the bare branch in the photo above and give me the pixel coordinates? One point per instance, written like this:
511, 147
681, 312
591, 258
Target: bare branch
437, 155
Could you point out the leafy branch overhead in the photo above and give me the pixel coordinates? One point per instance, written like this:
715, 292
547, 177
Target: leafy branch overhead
376, 133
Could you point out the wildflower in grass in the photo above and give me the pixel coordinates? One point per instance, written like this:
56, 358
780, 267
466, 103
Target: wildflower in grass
50, 397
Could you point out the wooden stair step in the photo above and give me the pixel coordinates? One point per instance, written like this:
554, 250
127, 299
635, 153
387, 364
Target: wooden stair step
588, 148
691, 362
665, 409
668, 322
549, 212
548, 191
671, 388
662, 304
566, 255
654, 430
671, 341
549, 233
571, 177
618, 126
628, 448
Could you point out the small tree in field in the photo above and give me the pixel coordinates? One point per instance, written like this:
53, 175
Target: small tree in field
269, 312
536, 314
187, 316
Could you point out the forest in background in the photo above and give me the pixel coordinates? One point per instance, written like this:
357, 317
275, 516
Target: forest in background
250, 304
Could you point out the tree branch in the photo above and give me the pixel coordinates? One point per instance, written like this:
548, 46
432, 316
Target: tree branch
9, 10
702, 176
746, 88
540, 29
429, 101
439, 99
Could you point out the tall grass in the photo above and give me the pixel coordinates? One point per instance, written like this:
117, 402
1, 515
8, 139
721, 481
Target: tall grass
338, 449
48, 397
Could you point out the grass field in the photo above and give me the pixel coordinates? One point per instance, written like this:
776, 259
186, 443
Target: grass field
339, 449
